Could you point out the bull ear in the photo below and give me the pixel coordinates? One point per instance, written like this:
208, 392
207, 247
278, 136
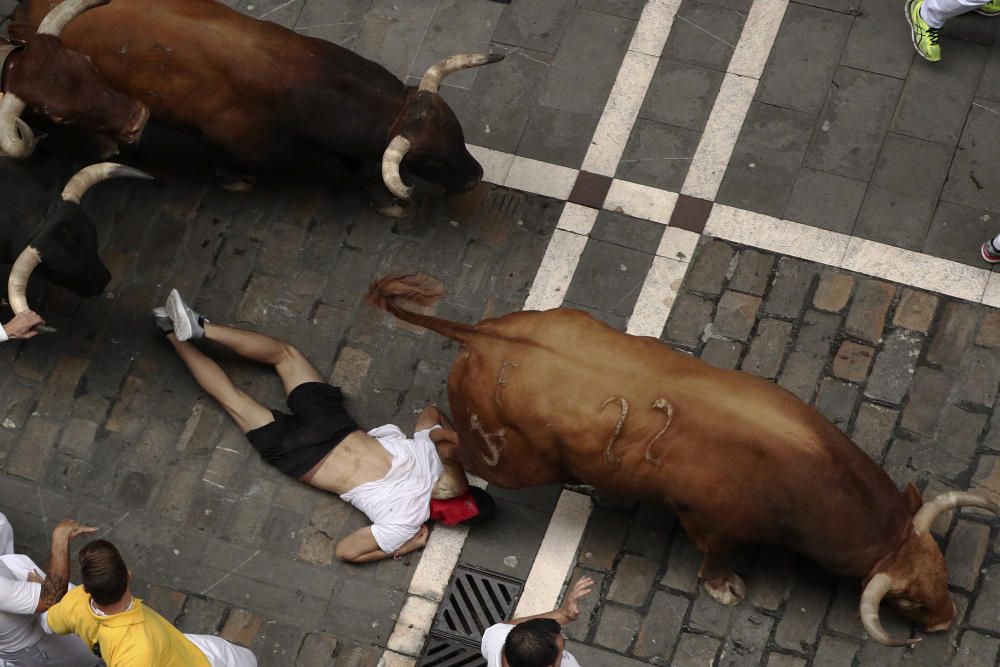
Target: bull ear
914, 500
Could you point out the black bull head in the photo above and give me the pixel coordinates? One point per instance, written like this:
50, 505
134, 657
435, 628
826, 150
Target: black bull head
63, 248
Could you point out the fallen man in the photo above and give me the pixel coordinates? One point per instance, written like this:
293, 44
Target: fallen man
398, 482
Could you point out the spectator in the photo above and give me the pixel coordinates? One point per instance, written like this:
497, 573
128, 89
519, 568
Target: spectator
927, 17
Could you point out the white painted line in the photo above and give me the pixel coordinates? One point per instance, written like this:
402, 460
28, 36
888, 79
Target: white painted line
719, 138
917, 270
540, 178
640, 201
757, 38
412, 626
496, 164
654, 26
577, 219
782, 236
991, 295
556, 271
662, 284
437, 561
678, 244
556, 555
393, 659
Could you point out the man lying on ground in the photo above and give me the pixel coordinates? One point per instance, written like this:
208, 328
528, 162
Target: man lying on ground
536, 641
124, 632
25, 592
398, 482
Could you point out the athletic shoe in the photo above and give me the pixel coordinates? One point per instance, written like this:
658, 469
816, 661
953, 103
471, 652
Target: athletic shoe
991, 8
990, 253
925, 38
187, 323
163, 321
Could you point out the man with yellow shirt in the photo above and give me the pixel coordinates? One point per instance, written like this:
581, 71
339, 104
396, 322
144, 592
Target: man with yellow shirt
123, 631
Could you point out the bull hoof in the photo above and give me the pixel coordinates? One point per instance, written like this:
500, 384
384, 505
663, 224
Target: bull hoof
396, 210
728, 591
232, 181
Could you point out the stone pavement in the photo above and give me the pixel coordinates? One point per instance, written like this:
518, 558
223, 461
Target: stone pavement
818, 111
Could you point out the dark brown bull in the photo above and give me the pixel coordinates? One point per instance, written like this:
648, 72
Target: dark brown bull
270, 96
556, 396
62, 85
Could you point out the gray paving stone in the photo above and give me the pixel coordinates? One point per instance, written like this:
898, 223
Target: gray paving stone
792, 282
581, 627
632, 580
683, 565
853, 124
986, 610
587, 62
557, 135
843, 615
753, 272
765, 161
317, 650
658, 155
903, 192
592, 656
894, 366
339, 23
736, 315
722, 353
695, 650
704, 34
804, 611
927, 396
392, 33
801, 373
817, 333
956, 331
618, 627
712, 263
956, 232
804, 58
534, 24
687, 320
662, 625
971, 181
879, 41
628, 8
977, 378
278, 643
650, 532
852, 361
201, 616
681, 95
622, 230
873, 429
605, 534
609, 278
827, 201
767, 348
747, 638
836, 401
866, 318
834, 652
976, 649
784, 660
967, 547
709, 617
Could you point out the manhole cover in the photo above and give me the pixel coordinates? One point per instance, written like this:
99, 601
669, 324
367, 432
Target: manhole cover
474, 601
443, 652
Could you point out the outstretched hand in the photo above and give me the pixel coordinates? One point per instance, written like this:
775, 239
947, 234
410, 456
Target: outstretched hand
23, 325
571, 603
70, 528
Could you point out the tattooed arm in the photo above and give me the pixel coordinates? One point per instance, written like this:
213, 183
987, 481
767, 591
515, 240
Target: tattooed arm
57, 580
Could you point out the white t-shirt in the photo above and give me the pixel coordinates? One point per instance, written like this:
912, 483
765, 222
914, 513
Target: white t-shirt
494, 639
399, 503
3, 334
6, 536
18, 601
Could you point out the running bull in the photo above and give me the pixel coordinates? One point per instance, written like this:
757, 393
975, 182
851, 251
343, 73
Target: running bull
270, 96
61, 85
558, 396
60, 247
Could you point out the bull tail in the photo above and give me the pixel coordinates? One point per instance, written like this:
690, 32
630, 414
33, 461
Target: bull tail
422, 290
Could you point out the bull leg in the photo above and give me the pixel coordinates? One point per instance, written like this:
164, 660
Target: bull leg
725, 586
233, 180
381, 199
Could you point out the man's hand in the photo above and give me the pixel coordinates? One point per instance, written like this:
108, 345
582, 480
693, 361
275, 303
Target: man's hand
23, 325
70, 528
35, 577
571, 603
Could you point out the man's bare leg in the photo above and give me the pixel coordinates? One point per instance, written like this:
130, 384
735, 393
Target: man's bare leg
291, 365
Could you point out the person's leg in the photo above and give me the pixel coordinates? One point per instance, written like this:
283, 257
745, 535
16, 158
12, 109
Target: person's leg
936, 12
67, 651
925, 37
990, 250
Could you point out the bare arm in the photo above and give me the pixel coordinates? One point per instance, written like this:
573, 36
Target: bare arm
570, 609
55, 584
361, 547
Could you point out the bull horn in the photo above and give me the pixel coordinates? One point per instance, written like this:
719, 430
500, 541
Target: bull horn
876, 589
16, 138
391, 160
926, 515
57, 19
17, 283
431, 80
90, 176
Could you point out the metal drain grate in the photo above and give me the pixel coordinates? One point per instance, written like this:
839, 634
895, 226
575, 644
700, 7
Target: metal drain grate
474, 601
443, 652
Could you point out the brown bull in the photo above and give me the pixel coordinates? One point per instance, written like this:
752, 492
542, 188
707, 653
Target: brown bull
270, 96
557, 396
63, 86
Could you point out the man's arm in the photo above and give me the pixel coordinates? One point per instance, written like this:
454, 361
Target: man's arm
569, 611
361, 547
22, 326
55, 584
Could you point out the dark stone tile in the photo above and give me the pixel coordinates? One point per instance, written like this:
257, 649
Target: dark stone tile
609, 277
587, 62
903, 192
956, 233
804, 58
691, 213
590, 189
622, 230
687, 320
681, 95
766, 159
510, 545
970, 27
954, 87
658, 155
628, 8
558, 136
824, 200
880, 40
853, 123
457, 27
989, 84
704, 34
974, 180
534, 24
339, 22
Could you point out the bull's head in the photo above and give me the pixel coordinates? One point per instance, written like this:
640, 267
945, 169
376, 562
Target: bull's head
428, 136
914, 578
65, 250
64, 86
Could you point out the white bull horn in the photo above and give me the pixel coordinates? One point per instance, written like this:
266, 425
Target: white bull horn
391, 160
431, 80
877, 589
16, 138
926, 515
60, 16
90, 176
20, 273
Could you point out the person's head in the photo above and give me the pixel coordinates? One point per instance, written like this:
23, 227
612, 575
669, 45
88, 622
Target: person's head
103, 572
535, 643
471, 508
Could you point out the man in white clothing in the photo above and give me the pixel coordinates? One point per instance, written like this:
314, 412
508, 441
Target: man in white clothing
21, 325
927, 17
25, 593
536, 641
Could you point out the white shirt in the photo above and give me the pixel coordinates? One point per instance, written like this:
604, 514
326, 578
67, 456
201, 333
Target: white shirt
399, 503
3, 334
494, 639
18, 601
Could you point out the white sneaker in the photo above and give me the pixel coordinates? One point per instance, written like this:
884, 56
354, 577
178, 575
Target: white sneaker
187, 323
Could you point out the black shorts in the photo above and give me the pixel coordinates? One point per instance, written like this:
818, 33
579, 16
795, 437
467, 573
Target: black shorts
295, 443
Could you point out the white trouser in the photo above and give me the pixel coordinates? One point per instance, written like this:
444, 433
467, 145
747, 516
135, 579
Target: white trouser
53, 651
221, 653
936, 12
6, 537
